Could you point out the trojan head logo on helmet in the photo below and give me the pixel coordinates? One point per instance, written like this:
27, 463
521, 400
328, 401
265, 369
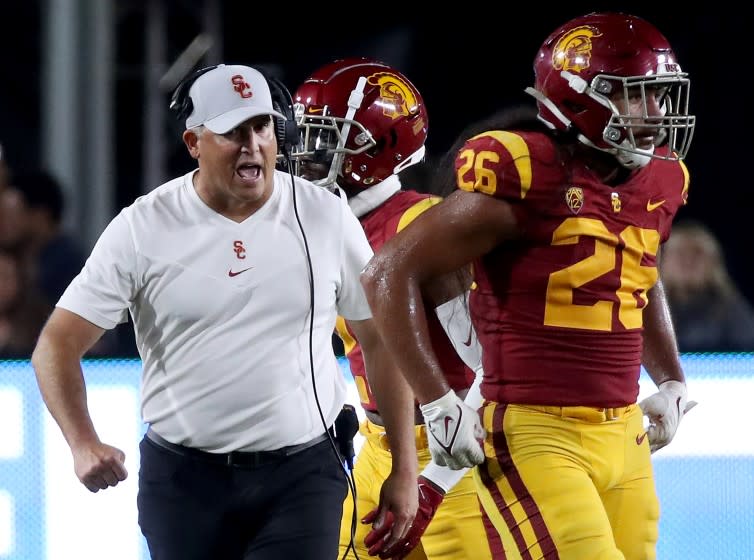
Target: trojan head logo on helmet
396, 94
361, 122
574, 50
590, 71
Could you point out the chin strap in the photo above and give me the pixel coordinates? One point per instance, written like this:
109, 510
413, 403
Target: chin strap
536, 94
634, 160
354, 102
628, 159
414, 158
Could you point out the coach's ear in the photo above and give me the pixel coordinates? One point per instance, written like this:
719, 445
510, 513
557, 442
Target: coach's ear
191, 139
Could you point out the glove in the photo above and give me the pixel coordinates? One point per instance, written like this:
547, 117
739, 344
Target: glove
430, 497
454, 433
665, 409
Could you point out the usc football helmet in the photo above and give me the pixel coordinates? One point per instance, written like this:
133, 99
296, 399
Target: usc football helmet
590, 71
362, 120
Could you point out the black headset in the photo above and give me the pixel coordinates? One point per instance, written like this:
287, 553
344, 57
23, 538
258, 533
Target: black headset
181, 103
286, 131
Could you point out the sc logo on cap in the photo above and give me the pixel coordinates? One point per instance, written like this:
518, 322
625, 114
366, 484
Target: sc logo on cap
241, 85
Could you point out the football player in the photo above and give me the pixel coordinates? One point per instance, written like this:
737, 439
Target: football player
563, 219
362, 123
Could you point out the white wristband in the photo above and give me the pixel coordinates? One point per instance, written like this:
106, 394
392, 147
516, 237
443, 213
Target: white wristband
474, 396
443, 477
443, 403
675, 388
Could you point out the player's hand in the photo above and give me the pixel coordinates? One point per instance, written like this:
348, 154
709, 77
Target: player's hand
392, 519
665, 409
99, 466
430, 497
454, 433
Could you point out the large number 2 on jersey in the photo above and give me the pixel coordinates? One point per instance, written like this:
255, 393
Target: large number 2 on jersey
635, 279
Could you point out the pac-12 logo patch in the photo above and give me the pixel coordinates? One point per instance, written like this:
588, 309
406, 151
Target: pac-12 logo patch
575, 199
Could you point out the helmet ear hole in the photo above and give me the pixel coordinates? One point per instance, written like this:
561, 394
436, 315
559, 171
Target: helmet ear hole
393, 138
573, 107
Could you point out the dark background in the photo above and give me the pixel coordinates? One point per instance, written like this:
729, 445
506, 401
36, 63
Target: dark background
466, 62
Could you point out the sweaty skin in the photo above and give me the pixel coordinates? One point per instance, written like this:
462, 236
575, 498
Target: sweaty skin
442, 240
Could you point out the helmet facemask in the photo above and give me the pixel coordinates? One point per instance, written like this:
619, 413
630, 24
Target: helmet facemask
624, 130
323, 145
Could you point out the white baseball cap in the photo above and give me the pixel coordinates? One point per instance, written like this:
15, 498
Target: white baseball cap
228, 95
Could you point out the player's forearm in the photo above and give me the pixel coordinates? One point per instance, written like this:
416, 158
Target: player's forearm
61, 383
399, 314
660, 349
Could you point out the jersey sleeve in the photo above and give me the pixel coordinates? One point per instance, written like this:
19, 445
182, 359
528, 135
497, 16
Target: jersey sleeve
672, 182
686, 182
102, 291
416, 210
503, 164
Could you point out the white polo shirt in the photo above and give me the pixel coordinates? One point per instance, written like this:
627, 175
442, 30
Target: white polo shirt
221, 311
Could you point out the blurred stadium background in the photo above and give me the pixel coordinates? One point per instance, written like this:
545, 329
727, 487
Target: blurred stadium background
88, 83
705, 479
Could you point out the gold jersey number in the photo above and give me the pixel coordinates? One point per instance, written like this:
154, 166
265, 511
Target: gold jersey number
632, 244
635, 279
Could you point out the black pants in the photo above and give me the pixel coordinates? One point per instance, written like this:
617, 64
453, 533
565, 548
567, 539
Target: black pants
192, 509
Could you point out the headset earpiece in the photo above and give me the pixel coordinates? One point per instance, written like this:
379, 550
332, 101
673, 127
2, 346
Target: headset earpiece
286, 131
180, 101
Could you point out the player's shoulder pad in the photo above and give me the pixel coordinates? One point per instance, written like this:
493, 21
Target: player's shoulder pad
416, 209
506, 164
673, 176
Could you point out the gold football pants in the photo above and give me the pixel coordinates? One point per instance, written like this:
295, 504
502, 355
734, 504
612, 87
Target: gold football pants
455, 533
568, 483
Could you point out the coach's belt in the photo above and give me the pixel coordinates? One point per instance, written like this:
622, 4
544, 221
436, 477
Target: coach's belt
235, 458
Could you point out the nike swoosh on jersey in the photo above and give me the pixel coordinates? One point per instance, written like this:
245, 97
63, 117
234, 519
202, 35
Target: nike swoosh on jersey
651, 206
231, 273
640, 438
